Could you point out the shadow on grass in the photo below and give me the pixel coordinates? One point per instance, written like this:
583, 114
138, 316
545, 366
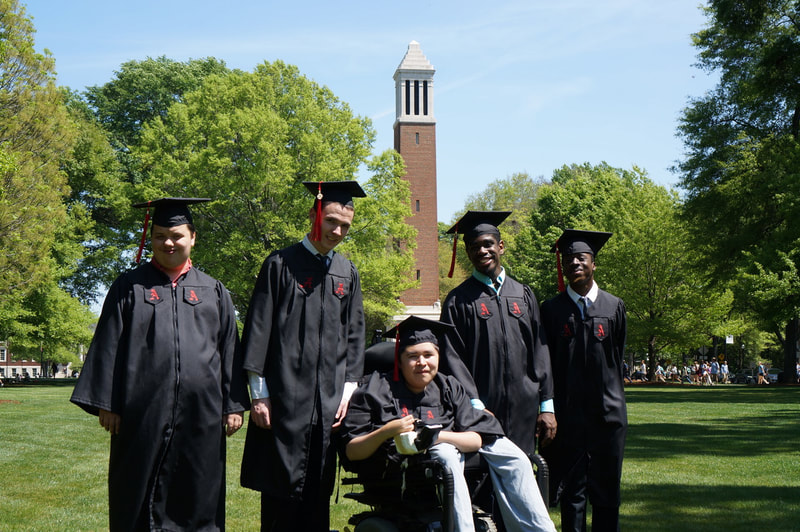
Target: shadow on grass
724, 437
723, 394
726, 508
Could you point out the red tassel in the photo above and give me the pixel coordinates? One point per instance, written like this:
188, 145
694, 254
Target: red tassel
316, 229
453, 259
144, 234
561, 286
396, 374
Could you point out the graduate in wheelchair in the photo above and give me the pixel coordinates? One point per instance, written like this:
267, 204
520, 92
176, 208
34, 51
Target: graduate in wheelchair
411, 430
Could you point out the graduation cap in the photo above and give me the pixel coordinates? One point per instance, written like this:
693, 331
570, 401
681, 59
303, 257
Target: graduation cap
168, 212
474, 224
412, 331
577, 241
337, 191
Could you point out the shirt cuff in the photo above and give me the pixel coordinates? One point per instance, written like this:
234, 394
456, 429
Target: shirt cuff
477, 403
258, 386
349, 388
547, 407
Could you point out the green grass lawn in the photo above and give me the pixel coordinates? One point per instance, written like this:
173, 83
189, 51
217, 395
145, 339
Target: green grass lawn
725, 458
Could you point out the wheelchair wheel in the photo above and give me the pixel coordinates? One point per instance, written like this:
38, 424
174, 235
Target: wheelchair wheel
376, 524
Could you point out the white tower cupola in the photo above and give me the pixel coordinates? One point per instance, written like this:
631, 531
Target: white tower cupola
414, 87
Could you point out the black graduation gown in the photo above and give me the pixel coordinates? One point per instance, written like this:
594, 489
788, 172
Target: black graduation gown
587, 360
381, 399
304, 334
166, 360
498, 351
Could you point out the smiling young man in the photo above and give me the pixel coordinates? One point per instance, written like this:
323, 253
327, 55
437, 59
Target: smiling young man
164, 376
303, 343
586, 330
386, 407
497, 348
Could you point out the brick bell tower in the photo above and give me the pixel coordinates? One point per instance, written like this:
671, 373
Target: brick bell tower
415, 140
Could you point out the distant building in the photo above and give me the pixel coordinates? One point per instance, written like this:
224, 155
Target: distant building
415, 140
26, 369
13, 369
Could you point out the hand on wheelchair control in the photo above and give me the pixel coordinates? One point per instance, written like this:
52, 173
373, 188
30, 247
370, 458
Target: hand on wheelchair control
419, 440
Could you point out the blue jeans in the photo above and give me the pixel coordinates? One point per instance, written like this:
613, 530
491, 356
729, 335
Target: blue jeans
514, 485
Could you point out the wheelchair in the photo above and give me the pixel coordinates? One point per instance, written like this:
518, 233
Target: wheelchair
410, 493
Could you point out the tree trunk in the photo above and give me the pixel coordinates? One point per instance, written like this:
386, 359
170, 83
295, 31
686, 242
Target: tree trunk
790, 350
651, 358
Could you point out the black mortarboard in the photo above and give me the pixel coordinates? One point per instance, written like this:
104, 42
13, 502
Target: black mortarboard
577, 241
337, 191
168, 212
474, 224
415, 330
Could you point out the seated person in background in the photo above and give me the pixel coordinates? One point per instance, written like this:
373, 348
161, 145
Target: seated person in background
385, 409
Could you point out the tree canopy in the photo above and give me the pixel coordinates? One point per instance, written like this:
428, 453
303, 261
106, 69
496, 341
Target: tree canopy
248, 140
648, 262
723, 259
72, 165
37, 250
742, 169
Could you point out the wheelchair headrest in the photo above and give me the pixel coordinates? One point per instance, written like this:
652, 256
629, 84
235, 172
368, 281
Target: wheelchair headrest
379, 357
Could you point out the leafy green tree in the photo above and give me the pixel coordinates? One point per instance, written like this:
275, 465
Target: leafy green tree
144, 90
248, 140
35, 130
649, 262
99, 203
14, 266
578, 197
516, 193
742, 169
59, 326
103, 169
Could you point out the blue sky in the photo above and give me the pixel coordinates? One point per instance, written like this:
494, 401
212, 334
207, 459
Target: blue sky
520, 85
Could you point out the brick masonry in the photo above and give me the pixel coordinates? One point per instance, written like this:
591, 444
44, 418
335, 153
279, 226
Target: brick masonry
416, 142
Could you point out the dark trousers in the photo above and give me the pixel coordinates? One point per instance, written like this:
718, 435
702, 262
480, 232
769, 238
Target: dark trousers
591, 475
573, 513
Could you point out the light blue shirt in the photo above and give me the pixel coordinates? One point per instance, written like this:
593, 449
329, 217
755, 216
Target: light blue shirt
488, 281
545, 406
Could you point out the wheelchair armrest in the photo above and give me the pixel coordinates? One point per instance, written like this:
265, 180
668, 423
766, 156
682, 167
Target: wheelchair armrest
542, 477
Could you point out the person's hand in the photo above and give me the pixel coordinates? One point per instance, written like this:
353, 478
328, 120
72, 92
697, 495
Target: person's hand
546, 428
261, 413
340, 413
110, 421
399, 426
233, 422
404, 433
427, 436
347, 393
